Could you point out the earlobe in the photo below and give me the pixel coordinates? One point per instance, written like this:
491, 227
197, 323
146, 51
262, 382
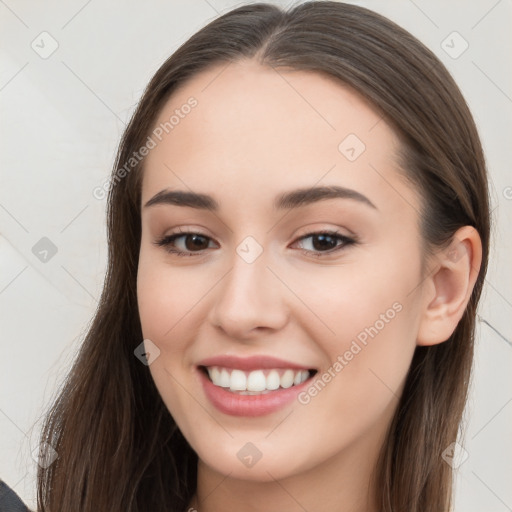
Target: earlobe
449, 286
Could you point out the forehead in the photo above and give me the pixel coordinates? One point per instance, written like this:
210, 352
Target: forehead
255, 128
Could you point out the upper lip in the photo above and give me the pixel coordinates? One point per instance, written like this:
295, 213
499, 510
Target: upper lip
258, 362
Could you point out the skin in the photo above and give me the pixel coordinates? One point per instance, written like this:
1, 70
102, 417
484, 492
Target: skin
254, 134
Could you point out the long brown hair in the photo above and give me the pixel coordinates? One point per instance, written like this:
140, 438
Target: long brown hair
118, 446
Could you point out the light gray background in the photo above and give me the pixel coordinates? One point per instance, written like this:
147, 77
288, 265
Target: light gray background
61, 120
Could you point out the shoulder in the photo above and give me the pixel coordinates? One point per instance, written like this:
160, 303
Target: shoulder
9, 500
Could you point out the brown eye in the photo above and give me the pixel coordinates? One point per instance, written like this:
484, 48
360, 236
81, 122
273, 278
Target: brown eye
195, 242
325, 242
189, 243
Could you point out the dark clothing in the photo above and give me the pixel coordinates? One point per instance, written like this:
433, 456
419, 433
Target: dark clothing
9, 500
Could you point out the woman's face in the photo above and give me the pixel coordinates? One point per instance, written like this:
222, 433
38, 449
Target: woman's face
263, 279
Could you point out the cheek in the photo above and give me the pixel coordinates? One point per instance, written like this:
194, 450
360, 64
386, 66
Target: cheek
165, 297
355, 301
366, 323
357, 392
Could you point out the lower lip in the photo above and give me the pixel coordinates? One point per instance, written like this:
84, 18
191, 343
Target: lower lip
249, 405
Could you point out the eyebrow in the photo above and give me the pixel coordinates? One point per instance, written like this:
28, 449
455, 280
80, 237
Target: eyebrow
288, 200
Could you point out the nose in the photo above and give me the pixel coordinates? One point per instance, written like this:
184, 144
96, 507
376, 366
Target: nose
250, 299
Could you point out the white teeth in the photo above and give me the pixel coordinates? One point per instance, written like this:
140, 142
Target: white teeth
273, 380
257, 380
238, 381
215, 374
223, 379
287, 379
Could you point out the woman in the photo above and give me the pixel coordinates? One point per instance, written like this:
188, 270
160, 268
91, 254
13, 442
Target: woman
298, 236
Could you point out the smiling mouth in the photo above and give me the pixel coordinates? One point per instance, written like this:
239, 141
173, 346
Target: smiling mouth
255, 382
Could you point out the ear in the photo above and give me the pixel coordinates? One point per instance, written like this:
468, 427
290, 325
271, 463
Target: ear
449, 285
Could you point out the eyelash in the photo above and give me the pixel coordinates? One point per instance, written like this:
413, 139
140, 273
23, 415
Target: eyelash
167, 240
